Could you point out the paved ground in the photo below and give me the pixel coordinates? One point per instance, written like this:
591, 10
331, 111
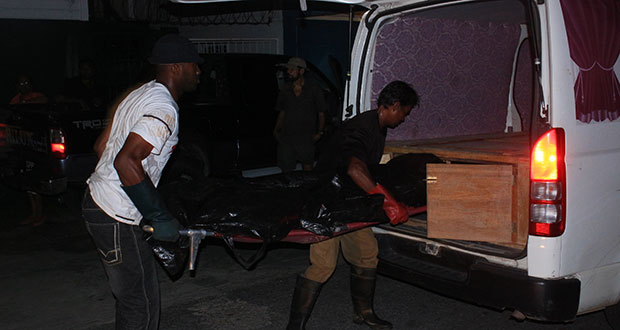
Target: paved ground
50, 278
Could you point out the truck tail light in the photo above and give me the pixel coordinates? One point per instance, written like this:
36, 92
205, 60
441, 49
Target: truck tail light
57, 143
548, 185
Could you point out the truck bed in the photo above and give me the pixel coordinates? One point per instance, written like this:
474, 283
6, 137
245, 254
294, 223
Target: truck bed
509, 148
476, 201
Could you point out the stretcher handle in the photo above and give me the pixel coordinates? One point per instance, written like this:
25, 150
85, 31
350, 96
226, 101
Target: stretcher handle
184, 232
195, 237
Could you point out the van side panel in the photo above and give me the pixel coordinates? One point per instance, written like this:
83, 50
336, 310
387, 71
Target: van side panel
590, 245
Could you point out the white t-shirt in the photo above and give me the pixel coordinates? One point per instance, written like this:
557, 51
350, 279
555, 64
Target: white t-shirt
151, 112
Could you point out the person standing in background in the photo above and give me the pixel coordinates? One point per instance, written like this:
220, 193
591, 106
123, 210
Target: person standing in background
26, 95
301, 118
86, 88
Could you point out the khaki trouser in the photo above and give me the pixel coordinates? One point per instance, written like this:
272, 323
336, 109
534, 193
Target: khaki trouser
359, 248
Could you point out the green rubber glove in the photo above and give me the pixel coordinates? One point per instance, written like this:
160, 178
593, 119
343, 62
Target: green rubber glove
148, 201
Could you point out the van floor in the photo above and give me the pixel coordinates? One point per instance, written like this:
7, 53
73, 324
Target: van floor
416, 226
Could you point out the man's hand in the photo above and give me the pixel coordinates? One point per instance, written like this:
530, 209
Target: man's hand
278, 127
317, 136
395, 210
166, 230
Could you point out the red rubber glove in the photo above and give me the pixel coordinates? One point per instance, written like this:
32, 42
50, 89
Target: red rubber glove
395, 210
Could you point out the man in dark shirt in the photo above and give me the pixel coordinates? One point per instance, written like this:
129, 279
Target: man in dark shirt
301, 119
357, 145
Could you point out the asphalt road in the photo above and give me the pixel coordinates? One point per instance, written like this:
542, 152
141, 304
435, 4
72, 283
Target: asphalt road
50, 278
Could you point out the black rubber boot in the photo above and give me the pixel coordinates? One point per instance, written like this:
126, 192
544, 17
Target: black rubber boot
306, 292
363, 292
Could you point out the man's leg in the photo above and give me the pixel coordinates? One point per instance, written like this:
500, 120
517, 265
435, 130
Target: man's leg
305, 154
130, 267
286, 157
360, 248
323, 259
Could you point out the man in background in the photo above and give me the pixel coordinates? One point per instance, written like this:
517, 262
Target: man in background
301, 118
86, 88
25, 92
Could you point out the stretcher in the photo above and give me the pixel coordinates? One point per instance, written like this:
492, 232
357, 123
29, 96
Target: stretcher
299, 236
297, 207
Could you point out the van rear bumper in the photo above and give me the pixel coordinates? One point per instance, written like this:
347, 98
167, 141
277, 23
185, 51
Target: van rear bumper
473, 279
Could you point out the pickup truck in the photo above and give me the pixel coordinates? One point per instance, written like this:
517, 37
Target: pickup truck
46, 148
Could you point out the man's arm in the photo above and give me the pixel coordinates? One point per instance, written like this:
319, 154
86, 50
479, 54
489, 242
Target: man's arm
128, 162
140, 189
359, 173
39, 98
321, 127
278, 126
102, 139
321, 121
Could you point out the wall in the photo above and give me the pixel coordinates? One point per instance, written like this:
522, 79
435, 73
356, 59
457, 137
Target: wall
45, 9
322, 42
238, 31
49, 51
36, 48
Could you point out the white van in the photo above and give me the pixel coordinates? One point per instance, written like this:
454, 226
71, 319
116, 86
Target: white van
521, 101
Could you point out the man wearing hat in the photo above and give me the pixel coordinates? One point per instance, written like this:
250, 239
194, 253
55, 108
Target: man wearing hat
301, 118
121, 191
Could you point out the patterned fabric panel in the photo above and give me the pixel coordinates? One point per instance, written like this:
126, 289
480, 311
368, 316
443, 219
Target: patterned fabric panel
460, 69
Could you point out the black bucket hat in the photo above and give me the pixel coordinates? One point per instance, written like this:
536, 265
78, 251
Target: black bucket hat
172, 48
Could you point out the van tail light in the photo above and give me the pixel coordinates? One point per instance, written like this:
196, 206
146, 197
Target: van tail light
57, 143
548, 185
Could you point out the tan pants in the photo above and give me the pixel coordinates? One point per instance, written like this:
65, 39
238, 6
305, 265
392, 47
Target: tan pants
359, 248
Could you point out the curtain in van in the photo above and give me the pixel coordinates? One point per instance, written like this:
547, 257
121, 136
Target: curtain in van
593, 30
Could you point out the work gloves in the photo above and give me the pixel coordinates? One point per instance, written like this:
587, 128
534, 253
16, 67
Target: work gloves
148, 201
395, 210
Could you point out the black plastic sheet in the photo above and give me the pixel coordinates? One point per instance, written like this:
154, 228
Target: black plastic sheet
405, 177
172, 256
268, 208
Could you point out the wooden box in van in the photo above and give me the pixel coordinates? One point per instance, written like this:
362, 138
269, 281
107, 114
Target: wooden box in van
481, 193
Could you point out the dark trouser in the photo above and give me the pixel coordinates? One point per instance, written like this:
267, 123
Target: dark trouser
289, 153
130, 266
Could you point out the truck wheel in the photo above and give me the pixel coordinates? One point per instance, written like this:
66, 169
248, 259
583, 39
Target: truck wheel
612, 313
